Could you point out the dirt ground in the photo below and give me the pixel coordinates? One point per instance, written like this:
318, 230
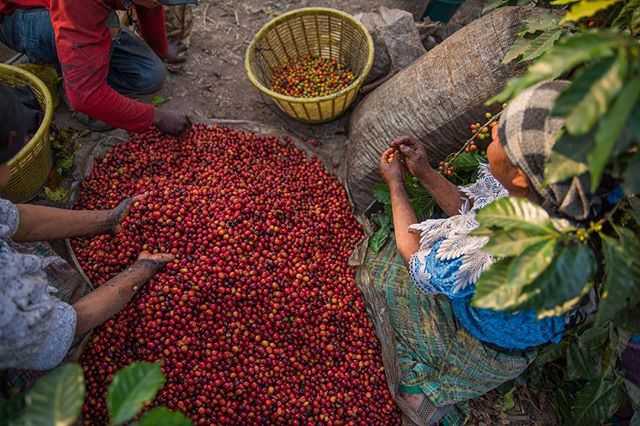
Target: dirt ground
213, 83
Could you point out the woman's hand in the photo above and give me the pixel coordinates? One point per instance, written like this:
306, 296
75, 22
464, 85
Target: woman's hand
158, 258
172, 122
389, 167
152, 263
414, 155
117, 215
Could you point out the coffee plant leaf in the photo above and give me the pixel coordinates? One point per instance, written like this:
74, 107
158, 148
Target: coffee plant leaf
531, 263
597, 401
542, 22
622, 275
163, 416
513, 242
610, 129
587, 8
56, 399
631, 181
381, 193
493, 291
379, 238
516, 213
517, 49
541, 44
559, 287
591, 90
132, 387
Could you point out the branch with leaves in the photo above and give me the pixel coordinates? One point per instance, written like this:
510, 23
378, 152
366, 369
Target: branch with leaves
57, 399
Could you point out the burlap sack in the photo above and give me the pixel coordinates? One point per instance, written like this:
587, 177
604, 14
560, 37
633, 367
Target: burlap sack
434, 99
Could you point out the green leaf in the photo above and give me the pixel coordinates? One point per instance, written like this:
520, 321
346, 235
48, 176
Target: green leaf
58, 195
57, 398
541, 44
567, 306
610, 129
589, 95
559, 287
379, 238
466, 162
587, 8
513, 242
492, 289
542, 22
515, 213
629, 16
631, 182
12, 408
381, 193
131, 388
531, 263
507, 401
65, 165
381, 220
565, 55
560, 168
635, 420
598, 401
162, 416
563, 2
584, 357
633, 391
550, 353
622, 274
159, 100
517, 49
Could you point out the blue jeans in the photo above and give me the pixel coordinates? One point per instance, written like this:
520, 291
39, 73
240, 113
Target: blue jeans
134, 67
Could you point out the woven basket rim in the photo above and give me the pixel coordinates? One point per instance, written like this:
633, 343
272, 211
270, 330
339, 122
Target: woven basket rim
308, 11
34, 82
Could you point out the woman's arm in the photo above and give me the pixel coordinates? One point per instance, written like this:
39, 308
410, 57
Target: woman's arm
403, 214
446, 194
40, 223
403, 217
108, 299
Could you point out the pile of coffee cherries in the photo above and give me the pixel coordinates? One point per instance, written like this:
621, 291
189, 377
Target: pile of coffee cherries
311, 77
258, 320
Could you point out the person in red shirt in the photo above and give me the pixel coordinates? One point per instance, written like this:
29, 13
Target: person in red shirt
100, 62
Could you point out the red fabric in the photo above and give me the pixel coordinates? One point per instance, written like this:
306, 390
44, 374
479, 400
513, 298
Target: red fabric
83, 43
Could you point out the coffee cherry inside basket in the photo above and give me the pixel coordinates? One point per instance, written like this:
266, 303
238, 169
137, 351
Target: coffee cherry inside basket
311, 77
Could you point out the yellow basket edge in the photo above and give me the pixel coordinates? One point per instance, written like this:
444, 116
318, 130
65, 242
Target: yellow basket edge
308, 11
48, 113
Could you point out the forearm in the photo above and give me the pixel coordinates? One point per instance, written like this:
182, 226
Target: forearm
403, 217
446, 195
108, 299
39, 223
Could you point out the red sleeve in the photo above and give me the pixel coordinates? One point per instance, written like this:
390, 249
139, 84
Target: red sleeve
83, 44
153, 29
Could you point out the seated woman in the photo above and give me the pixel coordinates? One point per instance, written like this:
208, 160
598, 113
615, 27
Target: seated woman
448, 351
36, 327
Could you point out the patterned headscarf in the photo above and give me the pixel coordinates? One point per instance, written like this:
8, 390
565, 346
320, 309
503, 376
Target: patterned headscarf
527, 132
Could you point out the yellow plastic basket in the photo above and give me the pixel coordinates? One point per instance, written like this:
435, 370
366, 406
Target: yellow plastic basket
30, 167
318, 32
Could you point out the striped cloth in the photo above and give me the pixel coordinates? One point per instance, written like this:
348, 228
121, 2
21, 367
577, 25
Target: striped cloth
435, 355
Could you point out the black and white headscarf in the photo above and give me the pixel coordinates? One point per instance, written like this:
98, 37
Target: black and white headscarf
527, 132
